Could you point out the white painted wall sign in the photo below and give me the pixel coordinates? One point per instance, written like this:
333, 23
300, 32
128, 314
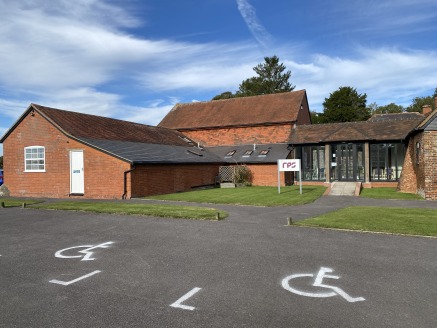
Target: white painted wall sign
318, 282
178, 303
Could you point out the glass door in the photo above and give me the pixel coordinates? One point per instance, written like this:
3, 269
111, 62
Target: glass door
347, 162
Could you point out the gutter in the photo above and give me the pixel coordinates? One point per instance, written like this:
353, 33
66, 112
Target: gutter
125, 181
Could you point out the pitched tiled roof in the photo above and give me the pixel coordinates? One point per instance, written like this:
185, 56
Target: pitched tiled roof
131, 142
394, 116
81, 125
355, 131
257, 110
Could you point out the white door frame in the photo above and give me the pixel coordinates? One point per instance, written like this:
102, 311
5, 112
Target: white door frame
77, 181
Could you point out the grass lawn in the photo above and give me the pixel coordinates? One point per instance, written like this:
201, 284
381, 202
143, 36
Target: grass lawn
16, 202
387, 193
180, 212
411, 221
255, 196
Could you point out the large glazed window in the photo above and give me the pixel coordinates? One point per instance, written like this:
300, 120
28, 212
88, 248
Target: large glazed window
386, 161
34, 159
312, 162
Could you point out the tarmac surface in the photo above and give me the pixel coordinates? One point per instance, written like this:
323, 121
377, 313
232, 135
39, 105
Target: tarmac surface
78, 269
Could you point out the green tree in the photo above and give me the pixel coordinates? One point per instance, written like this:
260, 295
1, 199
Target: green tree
387, 109
419, 102
270, 78
224, 95
345, 105
316, 118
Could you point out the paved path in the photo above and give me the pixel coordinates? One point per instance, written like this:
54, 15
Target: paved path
343, 189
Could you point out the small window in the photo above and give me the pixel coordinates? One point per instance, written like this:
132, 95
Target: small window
263, 153
34, 159
248, 153
230, 153
417, 153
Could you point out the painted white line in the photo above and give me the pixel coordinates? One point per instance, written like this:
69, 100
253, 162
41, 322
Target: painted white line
66, 283
178, 304
86, 251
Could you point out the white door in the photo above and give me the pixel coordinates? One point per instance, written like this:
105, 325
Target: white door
76, 172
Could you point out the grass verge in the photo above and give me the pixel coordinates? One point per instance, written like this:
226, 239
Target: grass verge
16, 202
387, 193
410, 221
255, 196
179, 212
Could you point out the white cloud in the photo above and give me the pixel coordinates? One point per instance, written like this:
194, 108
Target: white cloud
201, 76
152, 113
63, 54
386, 75
258, 31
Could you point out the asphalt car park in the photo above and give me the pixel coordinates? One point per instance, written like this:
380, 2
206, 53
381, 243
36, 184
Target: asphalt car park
75, 269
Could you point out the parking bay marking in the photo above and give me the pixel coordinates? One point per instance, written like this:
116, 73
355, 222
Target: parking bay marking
178, 303
87, 251
66, 283
318, 282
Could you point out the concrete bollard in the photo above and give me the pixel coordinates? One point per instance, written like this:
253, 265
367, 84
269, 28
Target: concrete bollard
217, 216
289, 221
23, 205
2, 205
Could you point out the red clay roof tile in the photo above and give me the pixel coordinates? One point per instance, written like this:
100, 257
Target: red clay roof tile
81, 125
257, 110
354, 131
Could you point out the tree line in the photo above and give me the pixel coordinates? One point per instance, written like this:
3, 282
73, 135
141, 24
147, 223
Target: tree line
342, 105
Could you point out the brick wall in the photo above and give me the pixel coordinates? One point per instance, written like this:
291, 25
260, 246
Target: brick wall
429, 142
241, 135
409, 180
163, 179
267, 175
421, 176
103, 174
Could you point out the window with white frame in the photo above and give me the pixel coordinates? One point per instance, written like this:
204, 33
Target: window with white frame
34, 159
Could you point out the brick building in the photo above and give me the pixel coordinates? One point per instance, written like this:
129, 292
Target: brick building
56, 153
253, 131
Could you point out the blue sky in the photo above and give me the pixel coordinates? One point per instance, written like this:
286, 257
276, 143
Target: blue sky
135, 59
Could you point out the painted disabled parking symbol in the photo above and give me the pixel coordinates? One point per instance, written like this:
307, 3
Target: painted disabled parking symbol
287, 283
86, 253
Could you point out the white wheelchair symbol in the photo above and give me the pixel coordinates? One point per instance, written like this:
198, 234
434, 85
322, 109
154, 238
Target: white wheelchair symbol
318, 282
85, 253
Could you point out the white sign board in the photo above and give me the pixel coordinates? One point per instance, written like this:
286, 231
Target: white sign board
289, 164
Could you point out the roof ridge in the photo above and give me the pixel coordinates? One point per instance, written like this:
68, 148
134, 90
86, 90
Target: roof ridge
240, 97
343, 128
93, 115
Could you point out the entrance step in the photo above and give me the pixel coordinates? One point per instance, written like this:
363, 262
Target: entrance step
345, 189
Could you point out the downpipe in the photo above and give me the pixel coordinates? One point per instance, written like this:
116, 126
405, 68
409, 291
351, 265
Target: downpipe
125, 181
